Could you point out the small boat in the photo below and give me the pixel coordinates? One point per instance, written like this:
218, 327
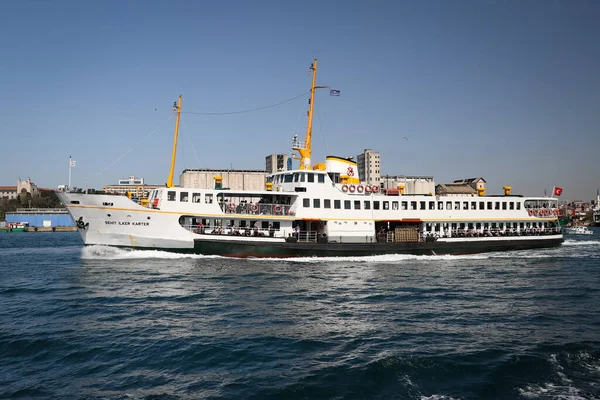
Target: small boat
578, 230
18, 226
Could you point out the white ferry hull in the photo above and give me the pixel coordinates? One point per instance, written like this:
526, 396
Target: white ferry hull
118, 221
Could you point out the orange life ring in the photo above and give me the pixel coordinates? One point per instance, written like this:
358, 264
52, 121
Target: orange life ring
277, 208
231, 206
360, 188
375, 189
352, 188
345, 188
253, 207
368, 189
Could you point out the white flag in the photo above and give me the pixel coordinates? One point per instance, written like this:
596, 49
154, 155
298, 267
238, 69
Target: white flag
72, 163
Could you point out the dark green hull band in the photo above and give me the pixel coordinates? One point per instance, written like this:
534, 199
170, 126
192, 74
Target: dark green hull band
284, 249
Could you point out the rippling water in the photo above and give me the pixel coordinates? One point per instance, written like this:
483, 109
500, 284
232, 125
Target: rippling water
104, 323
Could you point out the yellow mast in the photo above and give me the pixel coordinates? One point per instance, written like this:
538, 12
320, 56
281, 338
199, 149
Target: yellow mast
176, 107
304, 149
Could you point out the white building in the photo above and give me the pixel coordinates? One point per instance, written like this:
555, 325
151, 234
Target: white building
369, 167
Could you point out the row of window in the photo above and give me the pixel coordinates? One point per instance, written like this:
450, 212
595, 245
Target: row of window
414, 205
486, 225
185, 197
309, 177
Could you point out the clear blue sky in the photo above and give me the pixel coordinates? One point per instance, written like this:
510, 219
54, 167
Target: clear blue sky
508, 90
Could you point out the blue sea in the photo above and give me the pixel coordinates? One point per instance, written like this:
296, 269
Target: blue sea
103, 323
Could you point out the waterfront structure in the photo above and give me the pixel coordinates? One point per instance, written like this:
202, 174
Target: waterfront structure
369, 167
315, 210
133, 185
227, 178
277, 162
41, 217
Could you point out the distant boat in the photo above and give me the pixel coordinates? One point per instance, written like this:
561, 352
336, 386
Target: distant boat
578, 230
17, 226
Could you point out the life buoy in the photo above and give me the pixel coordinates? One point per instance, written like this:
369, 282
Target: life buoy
529, 212
352, 188
253, 207
368, 189
360, 188
345, 188
375, 189
544, 212
277, 208
231, 207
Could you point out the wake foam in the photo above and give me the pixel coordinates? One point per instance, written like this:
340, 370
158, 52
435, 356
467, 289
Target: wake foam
572, 242
114, 253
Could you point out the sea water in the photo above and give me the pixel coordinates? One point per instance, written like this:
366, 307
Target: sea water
103, 323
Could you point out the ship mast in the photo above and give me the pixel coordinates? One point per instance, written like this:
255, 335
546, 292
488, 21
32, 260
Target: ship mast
176, 107
304, 149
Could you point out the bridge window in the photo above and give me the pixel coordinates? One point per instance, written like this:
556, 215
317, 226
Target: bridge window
289, 178
321, 178
296, 177
310, 177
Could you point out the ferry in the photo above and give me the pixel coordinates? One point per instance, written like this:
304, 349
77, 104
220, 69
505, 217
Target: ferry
321, 210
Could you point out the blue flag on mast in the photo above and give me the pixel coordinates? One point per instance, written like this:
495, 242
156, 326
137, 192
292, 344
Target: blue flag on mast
334, 92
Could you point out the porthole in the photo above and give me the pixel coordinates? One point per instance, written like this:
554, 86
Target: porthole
108, 215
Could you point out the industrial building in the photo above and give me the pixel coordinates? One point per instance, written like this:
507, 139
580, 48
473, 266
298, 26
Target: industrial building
461, 187
230, 179
410, 184
41, 217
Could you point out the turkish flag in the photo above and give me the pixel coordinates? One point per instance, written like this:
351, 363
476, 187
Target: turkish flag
557, 191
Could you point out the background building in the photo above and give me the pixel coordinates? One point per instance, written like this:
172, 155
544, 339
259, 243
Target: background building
135, 185
412, 184
369, 168
460, 187
12, 192
277, 162
232, 179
